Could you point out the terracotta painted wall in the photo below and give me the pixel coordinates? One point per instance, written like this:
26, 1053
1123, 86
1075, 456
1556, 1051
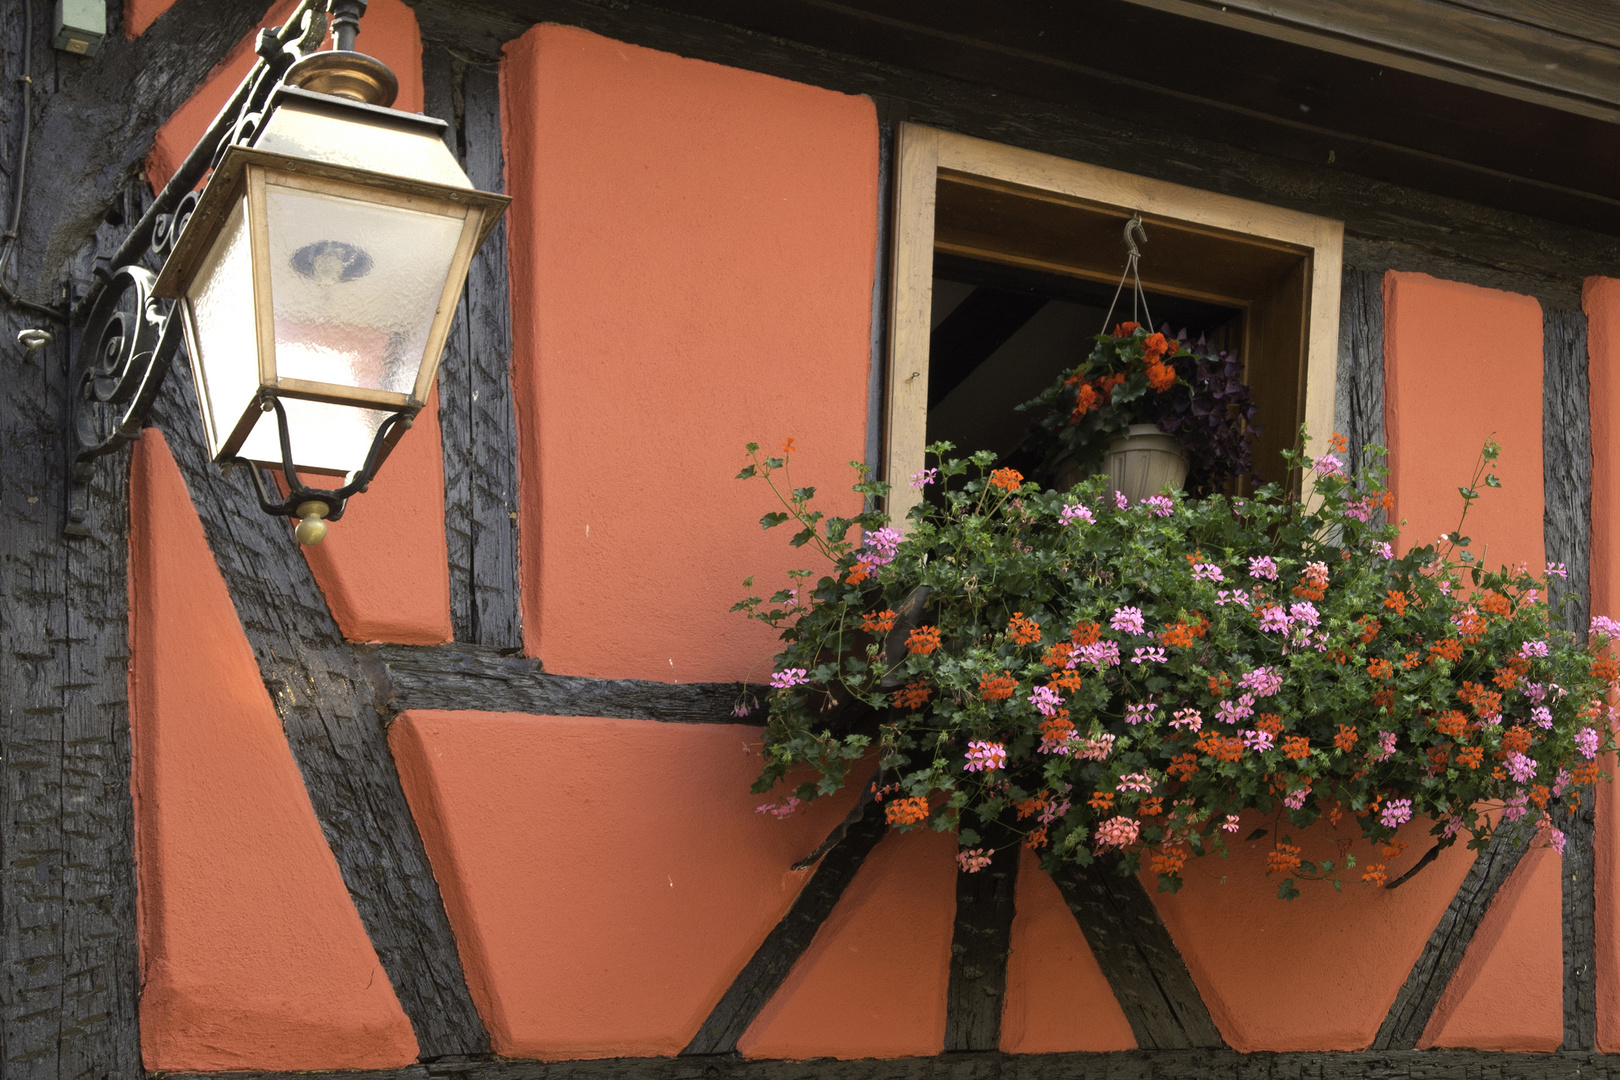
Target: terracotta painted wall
606, 879
1461, 364
692, 251
384, 567
1601, 301
873, 981
252, 954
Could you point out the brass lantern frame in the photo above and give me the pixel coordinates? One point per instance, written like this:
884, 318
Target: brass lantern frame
244, 174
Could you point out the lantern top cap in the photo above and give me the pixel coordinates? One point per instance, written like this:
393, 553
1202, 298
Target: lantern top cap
350, 75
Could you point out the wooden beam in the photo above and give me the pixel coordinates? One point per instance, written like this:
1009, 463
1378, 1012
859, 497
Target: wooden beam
334, 725
471, 677
69, 966
771, 963
1549, 63
1415, 1002
980, 943
1566, 438
94, 128
476, 418
1137, 956
1579, 918
1213, 1064
1358, 400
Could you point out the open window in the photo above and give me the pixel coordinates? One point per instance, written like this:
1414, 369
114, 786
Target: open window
1004, 266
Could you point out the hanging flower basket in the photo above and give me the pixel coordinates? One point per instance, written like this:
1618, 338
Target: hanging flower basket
1102, 676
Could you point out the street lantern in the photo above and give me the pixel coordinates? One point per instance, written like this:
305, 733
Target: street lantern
319, 273
316, 276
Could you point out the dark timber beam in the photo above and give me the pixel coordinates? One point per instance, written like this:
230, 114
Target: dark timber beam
1137, 956
475, 384
96, 118
335, 727
1566, 436
1515, 50
765, 971
1506, 234
1415, 1002
980, 943
1358, 399
486, 680
1579, 920
1125, 1065
69, 972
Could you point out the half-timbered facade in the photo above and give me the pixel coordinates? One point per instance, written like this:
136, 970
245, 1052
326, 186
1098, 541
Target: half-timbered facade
463, 791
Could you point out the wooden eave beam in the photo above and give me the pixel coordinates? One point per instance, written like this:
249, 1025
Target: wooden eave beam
1515, 50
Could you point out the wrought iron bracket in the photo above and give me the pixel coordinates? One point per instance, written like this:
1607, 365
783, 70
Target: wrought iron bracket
130, 337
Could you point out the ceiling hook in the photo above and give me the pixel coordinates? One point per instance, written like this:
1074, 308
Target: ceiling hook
1135, 226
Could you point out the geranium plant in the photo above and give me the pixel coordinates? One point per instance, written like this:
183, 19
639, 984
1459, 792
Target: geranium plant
1098, 678
1137, 376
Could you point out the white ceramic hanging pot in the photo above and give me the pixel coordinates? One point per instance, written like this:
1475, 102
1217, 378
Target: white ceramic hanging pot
1144, 462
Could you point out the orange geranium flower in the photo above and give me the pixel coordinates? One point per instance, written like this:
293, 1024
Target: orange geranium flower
1297, 747
1006, 479
1345, 740
914, 695
1396, 601
1022, 630
878, 622
1167, 860
997, 687
1515, 740
1125, 329
1102, 800
1067, 680
1270, 723
923, 640
1375, 875
1471, 626
1339, 443
1183, 766
1369, 628
1152, 806
1086, 633
1283, 859
1452, 724
1471, 756
1494, 602
908, 811
1058, 655
1447, 649
1605, 668
1379, 668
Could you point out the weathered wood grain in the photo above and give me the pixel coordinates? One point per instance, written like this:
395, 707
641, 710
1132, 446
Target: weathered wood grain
476, 415
1214, 1064
487, 680
980, 942
1358, 401
329, 709
1579, 920
97, 116
1566, 440
1415, 1002
1137, 956
765, 971
69, 972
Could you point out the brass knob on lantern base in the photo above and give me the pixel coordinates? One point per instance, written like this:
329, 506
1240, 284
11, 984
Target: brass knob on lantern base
312, 528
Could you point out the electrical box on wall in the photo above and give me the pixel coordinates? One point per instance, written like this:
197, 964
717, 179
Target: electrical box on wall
80, 26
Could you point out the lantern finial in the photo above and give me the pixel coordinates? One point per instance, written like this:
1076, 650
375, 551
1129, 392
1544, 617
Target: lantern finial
312, 529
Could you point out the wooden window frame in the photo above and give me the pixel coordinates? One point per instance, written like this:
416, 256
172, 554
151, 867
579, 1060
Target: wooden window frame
924, 154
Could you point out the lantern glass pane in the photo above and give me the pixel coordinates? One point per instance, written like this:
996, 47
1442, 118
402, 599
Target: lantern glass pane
324, 437
224, 343
355, 287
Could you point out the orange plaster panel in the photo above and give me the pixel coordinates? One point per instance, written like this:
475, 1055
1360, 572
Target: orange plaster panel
1057, 996
1601, 300
692, 250
1508, 992
1462, 364
872, 984
384, 567
606, 879
252, 954
388, 32
1315, 973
